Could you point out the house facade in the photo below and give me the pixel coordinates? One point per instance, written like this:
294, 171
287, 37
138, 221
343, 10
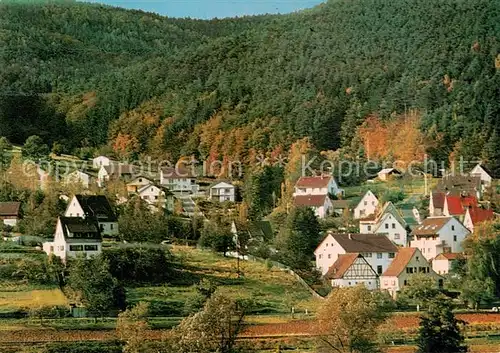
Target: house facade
443, 263
317, 185
407, 262
75, 236
78, 177
388, 173
96, 207
115, 171
388, 222
483, 173
378, 250
138, 182
350, 270
222, 191
366, 206
178, 180
157, 196
10, 213
438, 235
320, 204
101, 161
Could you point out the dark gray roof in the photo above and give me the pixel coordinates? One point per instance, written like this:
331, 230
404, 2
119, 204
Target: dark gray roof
97, 206
76, 228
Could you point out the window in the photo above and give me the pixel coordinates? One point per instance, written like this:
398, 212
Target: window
326, 244
101, 227
367, 254
60, 248
452, 227
369, 228
394, 226
379, 255
227, 191
111, 226
387, 226
373, 203
379, 269
349, 283
454, 238
76, 248
362, 212
52, 248
91, 247
423, 251
386, 283
428, 250
366, 203
329, 256
71, 214
320, 256
397, 236
393, 283
405, 282
391, 255
140, 180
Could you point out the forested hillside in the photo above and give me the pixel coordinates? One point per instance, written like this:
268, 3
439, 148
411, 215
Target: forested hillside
88, 76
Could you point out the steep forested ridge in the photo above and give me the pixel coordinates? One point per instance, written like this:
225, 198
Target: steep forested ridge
145, 84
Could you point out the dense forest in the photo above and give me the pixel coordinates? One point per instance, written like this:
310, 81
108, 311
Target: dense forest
346, 75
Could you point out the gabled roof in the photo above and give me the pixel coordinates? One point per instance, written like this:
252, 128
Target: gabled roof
9, 209
389, 170
400, 262
176, 173
359, 243
340, 267
460, 184
458, 204
77, 229
431, 226
438, 199
313, 182
389, 208
309, 200
97, 206
483, 167
135, 181
221, 185
449, 256
154, 185
478, 214
359, 200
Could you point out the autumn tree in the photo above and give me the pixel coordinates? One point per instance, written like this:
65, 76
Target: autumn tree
348, 319
440, 331
131, 326
214, 329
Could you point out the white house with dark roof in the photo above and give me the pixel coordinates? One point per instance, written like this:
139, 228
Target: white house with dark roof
317, 185
389, 222
75, 236
377, 249
350, 270
157, 197
483, 173
438, 235
222, 191
94, 206
366, 206
386, 173
115, 171
179, 180
320, 204
10, 213
407, 262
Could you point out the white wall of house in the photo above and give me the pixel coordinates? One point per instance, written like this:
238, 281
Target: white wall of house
223, 192
329, 250
485, 177
441, 266
332, 188
449, 238
10, 221
367, 227
102, 176
100, 161
134, 185
371, 284
394, 230
179, 184
366, 206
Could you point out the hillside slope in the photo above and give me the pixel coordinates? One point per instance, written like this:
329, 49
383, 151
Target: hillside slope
263, 81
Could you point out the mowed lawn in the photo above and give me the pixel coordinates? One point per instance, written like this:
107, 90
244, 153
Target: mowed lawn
272, 291
16, 295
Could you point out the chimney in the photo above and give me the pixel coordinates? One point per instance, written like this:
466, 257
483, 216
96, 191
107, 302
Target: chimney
350, 236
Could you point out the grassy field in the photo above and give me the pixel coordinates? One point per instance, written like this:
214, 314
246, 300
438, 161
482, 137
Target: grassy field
271, 290
15, 295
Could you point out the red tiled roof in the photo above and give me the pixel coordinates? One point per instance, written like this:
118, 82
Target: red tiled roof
438, 199
430, 226
457, 205
359, 243
399, 263
343, 263
309, 200
9, 208
478, 214
313, 182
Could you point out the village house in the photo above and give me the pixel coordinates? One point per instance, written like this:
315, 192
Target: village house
78, 177
477, 215
378, 250
350, 270
436, 203
115, 171
438, 235
388, 222
178, 180
10, 213
320, 204
157, 197
407, 262
222, 191
95, 207
388, 173
443, 263
366, 206
75, 236
101, 161
484, 174
457, 205
138, 182
460, 185
317, 185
